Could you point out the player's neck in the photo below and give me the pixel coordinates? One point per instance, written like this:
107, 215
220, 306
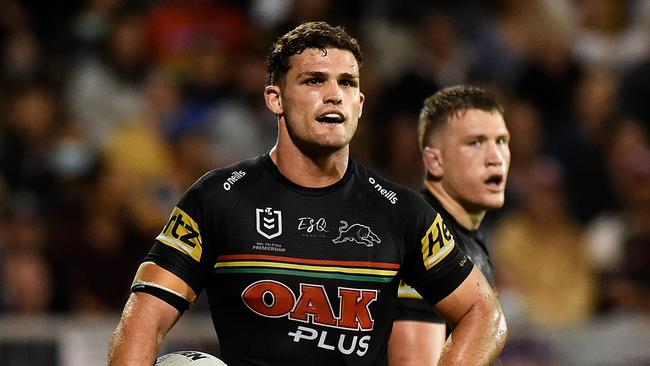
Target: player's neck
467, 219
310, 171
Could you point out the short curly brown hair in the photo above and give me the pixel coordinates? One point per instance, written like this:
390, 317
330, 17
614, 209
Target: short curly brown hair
319, 35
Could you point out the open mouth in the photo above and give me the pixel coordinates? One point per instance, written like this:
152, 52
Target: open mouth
494, 181
331, 117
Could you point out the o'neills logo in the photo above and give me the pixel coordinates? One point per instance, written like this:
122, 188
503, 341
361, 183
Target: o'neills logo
390, 195
234, 177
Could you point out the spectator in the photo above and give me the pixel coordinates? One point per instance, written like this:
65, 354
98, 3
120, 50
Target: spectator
107, 88
611, 34
541, 255
581, 144
617, 236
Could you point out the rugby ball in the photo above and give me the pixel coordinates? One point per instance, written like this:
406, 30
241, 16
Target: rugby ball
188, 358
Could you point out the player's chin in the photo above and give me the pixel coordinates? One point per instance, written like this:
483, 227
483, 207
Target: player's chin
488, 200
327, 147
494, 201
336, 143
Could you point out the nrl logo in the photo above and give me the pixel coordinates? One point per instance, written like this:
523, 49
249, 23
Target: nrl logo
268, 222
356, 233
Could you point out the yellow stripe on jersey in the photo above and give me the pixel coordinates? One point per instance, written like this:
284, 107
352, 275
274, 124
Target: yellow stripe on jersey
436, 243
407, 292
182, 233
365, 271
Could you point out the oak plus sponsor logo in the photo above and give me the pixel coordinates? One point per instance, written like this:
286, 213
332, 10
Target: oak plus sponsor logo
356, 233
390, 195
313, 309
268, 222
234, 177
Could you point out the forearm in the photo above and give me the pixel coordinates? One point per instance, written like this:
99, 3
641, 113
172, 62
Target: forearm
132, 347
416, 343
477, 339
138, 334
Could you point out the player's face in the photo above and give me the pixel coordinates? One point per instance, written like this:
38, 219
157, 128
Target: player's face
475, 159
320, 99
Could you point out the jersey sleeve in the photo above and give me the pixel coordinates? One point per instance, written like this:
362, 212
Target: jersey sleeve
181, 245
433, 265
411, 306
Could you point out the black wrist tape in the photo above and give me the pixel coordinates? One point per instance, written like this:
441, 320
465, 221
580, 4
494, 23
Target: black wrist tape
180, 303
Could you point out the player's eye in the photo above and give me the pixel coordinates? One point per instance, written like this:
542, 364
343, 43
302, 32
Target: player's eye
313, 81
347, 82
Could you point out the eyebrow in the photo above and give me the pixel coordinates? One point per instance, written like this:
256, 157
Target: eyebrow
321, 74
485, 136
347, 75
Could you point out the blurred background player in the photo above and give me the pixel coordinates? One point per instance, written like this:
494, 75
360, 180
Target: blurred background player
464, 143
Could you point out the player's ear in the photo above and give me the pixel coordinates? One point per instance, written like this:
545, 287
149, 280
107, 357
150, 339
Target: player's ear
273, 99
361, 99
432, 159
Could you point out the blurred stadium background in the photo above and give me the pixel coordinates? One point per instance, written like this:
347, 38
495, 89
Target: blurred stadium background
109, 109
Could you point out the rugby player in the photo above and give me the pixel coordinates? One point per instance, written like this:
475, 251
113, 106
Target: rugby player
464, 143
300, 251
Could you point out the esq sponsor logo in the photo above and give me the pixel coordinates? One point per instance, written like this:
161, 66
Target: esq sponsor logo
312, 228
390, 195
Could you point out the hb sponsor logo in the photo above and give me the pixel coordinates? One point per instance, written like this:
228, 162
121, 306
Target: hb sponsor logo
356, 233
311, 305
436, 243
268, 222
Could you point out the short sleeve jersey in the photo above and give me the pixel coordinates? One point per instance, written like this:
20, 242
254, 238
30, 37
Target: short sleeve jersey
411, 305
299, 275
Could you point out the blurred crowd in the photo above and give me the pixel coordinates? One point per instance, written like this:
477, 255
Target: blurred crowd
110, 109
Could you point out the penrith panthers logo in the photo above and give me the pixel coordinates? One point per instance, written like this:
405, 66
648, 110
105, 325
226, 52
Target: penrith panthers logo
356, 233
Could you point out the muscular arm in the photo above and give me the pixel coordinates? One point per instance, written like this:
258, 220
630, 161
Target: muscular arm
146, 319
416, 343
480, 329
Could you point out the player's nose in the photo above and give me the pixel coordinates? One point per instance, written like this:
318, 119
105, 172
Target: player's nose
333, 93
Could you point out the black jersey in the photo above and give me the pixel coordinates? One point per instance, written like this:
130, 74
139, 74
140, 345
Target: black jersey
471, 242
299, 275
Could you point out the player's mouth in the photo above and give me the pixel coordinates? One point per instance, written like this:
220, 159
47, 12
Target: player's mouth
495, 182
331, 117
